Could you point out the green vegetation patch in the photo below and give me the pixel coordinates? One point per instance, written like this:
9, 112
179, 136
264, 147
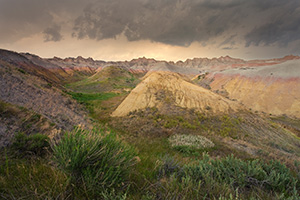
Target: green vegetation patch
95, 159
35, 179
7, 110
180, 120
108, 79
228, 177
84, 97
94, 103
288, 123
36, 144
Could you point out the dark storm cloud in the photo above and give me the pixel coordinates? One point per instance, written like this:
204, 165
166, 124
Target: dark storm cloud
52, 33
229, 40
175, 22
282, 29
169, 21
228, 48
23, 18
181, 22
20, 18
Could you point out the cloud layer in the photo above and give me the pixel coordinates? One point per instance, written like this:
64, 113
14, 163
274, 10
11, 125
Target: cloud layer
227, 24
181, 22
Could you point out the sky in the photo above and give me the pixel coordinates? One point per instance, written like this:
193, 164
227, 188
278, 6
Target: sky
162, 29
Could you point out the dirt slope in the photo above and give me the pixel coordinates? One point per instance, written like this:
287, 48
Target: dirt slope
24, 84
161, 88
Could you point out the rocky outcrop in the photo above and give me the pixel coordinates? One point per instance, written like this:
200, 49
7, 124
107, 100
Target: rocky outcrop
159, 89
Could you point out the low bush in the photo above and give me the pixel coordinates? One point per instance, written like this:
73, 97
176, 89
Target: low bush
229, 177
36, 144
272, 176
96, 160
168, 167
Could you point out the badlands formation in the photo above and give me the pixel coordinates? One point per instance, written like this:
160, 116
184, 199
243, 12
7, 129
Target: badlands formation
160, 88
273, 89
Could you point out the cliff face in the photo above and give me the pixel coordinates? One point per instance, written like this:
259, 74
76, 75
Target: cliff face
159, 89
272, 89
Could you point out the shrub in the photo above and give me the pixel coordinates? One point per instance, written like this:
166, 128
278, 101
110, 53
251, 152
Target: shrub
168, 166
272, 176
37, 144
227, 178
22, 71
96, 160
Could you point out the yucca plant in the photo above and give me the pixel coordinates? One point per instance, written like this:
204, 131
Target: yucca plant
95, 159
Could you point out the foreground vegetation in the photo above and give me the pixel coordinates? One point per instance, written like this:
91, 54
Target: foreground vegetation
96, 164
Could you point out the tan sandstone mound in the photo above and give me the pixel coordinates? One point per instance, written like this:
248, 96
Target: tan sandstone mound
159, 89
272, 89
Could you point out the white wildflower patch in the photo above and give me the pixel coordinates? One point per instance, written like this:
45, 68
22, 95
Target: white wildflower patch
196, 141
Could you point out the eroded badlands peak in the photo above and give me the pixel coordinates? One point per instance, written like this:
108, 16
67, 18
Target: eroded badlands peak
159, 89
68, 66
272, 89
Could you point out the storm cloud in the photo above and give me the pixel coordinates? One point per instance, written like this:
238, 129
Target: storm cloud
282, 28
226, 23
52, 34
181, 22
171, 22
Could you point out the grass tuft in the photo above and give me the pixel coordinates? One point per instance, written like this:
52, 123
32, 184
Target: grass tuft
31, 145
96, 160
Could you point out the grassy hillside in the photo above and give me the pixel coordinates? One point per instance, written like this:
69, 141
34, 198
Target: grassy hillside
109, 79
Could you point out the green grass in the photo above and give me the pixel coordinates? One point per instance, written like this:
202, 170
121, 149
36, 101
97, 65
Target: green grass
96, 160
7, 110
36, 144
93, 102
226, 178
109, 79
187, 121
290, 124
97, 164
32, 179
86, 97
